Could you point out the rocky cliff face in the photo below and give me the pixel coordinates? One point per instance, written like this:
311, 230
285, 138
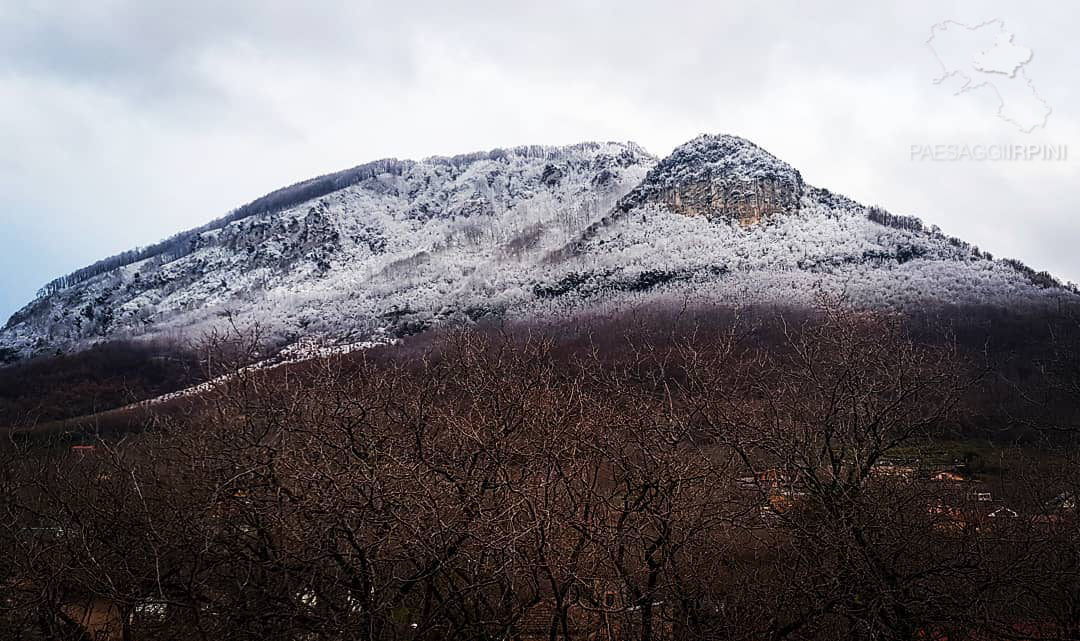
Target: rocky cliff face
745, 201
721, 178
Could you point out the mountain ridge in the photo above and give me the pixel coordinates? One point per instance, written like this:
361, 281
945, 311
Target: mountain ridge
392, 246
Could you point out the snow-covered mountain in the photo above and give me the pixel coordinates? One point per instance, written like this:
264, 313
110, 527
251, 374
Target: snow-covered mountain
392, 247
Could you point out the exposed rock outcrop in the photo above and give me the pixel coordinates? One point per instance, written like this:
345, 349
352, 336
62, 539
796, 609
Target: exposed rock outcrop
721, 177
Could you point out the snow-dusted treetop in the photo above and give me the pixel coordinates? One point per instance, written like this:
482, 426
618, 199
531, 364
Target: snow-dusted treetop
716, 157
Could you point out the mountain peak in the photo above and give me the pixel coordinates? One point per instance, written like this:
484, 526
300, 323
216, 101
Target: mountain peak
726, 152
721, 176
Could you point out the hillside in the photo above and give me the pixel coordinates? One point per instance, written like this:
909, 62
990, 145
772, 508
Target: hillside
394, 247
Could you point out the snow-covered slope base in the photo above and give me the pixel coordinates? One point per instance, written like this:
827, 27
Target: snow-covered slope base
527, 232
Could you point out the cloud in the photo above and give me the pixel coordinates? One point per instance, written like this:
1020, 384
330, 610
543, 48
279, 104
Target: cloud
126, 121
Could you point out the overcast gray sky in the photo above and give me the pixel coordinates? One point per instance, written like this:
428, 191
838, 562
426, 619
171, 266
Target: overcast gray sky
124, 121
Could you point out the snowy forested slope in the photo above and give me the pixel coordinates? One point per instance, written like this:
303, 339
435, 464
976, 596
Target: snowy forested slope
395, 246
